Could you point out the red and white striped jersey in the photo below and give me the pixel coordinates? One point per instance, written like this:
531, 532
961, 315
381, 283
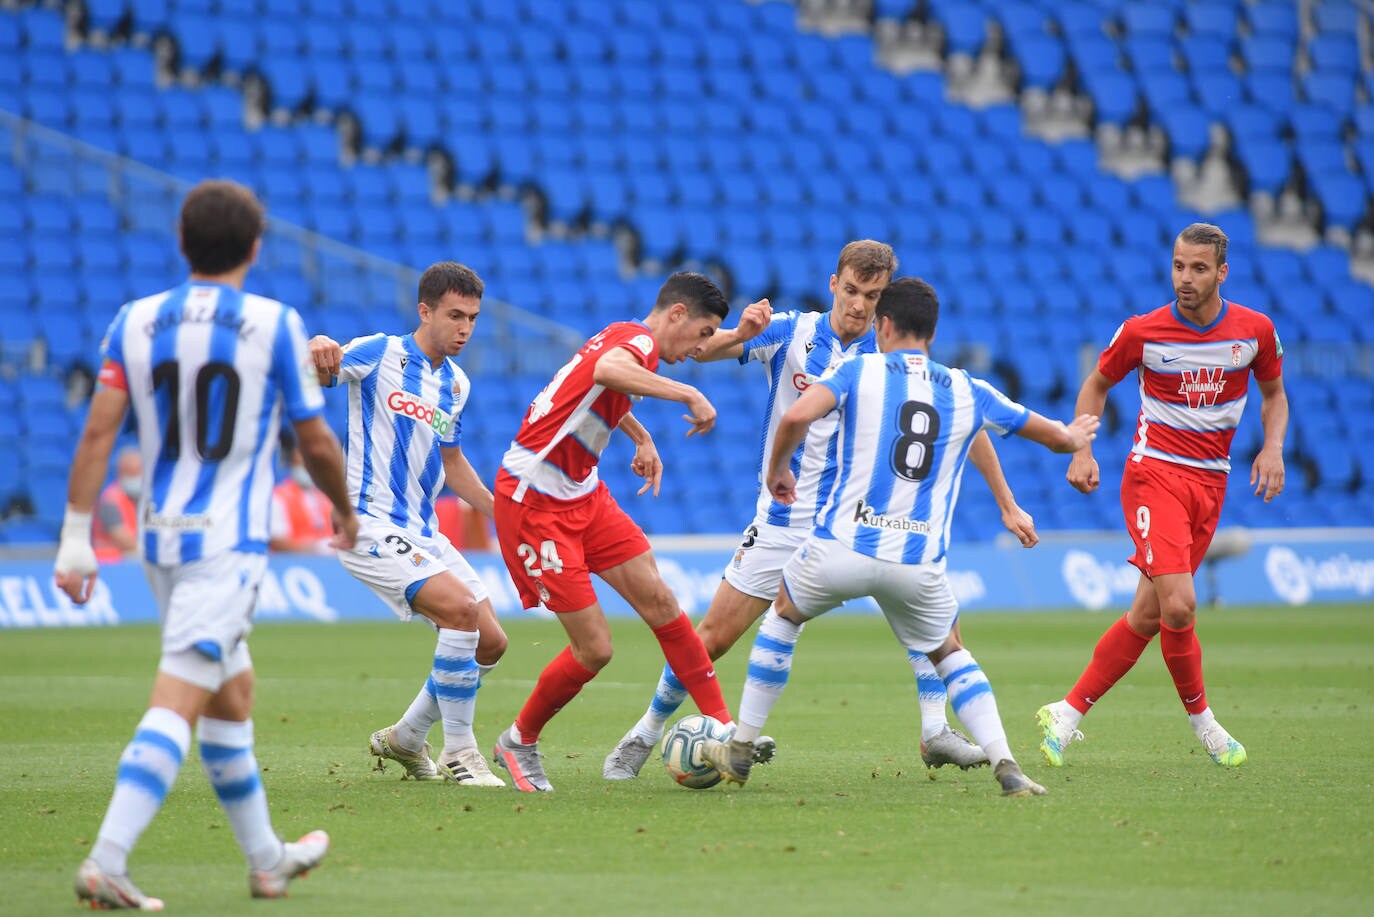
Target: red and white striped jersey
554, 454
1193, 381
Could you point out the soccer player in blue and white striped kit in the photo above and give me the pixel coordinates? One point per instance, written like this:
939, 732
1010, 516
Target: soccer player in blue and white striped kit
795, 348
209, 371
902, 434
406, 395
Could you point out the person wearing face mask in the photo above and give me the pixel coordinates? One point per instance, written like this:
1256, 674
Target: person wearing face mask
300, 511
114, 533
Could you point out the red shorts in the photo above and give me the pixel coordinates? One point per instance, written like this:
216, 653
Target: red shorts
551, 554
1171, 515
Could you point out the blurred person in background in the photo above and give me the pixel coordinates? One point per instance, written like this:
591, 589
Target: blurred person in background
114, 531
300, 510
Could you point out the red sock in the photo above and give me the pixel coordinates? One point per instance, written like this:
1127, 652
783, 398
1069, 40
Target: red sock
558, 683
690, 663
1113, 657
1183, 656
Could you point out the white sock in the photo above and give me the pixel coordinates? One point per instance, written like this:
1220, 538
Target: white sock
455, 685
147, 770
930, 694
1200, 721
1066, 712
226, 753
484, 670
513, 736
668, 697
412, 730
770, 664
971, 696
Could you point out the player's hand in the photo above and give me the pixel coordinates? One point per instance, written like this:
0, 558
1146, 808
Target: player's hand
327, 356
1267, 474
783, 486
753, 319
75, 570
1021, 524
345, 530
1083, 474
648, 466
1082, 431
702, 416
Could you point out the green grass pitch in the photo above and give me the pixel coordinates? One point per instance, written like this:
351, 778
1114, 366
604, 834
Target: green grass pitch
845, 821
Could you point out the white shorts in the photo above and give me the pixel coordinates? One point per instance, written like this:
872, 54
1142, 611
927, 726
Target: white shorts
206, 608
393, 562
756, 568
915, 598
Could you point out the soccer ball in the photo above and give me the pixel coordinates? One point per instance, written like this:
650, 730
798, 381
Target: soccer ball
682, 750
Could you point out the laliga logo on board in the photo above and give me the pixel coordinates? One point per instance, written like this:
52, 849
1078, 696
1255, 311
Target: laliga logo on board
1295, 578
408, 405
1092, 582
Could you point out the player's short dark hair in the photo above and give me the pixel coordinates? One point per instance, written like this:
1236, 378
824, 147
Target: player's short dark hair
695, 291
868, 260
912, 306
444, 277
1206, 234
220, 221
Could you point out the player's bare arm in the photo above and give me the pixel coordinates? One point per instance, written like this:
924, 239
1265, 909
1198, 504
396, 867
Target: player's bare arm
729, 345
328, 357
1019, 522
1267, 473
646, 462
1061, 437
619, 371
814, 403
463, 480
1092, 399
75, 567
323, 458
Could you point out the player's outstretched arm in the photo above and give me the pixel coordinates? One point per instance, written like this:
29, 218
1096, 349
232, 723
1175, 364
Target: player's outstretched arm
463, 480
1267, 473
1019, 522
324, 460
75, 567
1092, 399
814, 403
729, 345
646, 462
619, 371
327, 356
1062, 437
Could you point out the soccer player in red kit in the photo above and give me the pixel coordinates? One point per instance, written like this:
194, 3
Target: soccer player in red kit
1194, 358
557, 523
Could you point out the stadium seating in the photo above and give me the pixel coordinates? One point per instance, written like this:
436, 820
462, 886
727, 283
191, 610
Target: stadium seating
717, 134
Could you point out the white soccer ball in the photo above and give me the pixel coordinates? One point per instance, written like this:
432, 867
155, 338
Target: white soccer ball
682, 750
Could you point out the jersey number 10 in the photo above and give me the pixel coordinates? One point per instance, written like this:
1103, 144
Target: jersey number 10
216, 391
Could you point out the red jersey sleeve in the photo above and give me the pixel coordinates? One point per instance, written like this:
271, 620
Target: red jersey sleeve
1268, 363
1123, 352
642, 347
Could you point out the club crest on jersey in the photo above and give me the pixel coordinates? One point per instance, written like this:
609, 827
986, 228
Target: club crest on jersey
419, 560
1235, 354
643, 343
408, 405
542, 590
1202, 387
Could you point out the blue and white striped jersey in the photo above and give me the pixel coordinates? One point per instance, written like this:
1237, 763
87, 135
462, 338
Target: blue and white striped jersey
208, 370
797, 347
401, 411
904, 428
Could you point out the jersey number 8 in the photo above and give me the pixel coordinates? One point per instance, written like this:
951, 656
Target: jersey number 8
913, 451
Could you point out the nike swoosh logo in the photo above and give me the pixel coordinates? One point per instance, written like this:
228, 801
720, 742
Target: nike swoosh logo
1170, 359
1193, 699
711, 674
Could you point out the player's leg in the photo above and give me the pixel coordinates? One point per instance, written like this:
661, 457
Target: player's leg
588, 651
225, 733
147, 770
940, 745
642, 586
454, 676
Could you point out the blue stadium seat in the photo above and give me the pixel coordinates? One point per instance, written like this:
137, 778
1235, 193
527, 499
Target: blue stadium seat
1275, 17
1214, 19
